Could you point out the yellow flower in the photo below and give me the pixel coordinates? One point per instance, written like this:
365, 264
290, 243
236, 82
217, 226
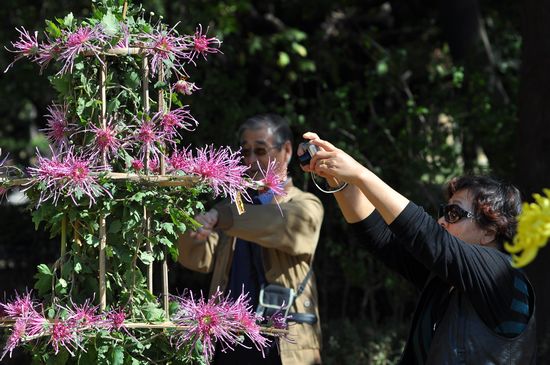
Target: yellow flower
533, 230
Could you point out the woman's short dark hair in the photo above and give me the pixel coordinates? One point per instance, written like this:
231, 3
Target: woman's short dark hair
496, 204
278, 124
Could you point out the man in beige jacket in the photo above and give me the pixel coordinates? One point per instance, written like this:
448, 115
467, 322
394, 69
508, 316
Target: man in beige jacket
263, 246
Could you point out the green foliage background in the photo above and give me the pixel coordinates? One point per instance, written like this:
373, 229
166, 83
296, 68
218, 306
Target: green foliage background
379, 79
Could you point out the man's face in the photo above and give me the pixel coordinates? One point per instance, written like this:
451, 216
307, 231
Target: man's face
258, 147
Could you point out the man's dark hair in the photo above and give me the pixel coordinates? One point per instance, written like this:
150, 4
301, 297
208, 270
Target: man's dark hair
278, 125
496, 204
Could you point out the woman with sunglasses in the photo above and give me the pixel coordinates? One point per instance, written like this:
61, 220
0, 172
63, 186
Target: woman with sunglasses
474, 307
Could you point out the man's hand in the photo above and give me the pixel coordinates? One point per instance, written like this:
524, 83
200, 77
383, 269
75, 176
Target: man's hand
208, 221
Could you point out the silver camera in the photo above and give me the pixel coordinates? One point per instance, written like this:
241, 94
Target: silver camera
309, 151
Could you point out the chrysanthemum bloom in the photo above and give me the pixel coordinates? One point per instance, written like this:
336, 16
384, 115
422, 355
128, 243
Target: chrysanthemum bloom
20, 307
272, 180
114, 320
181, 160
124, 41
147, 136
203, 45
137, 165
222, 170
17, 335
533, 230
185, 87
208, 323
166, 46
84, 316
106, 140
64, 334
25, 46
89, 39
59, 127
246, 321
173, 120
67, 174
48, 51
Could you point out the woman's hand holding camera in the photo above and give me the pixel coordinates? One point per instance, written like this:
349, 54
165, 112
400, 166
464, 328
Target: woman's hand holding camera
331, 162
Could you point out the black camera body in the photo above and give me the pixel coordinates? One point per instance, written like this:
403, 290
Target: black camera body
309, 151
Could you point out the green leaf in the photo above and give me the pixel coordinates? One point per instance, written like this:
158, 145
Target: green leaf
169, 228
146, 258
62, 84
152, 312
52, 29
299, 49
283, 59
110, 24
117, 355
68, 20
113, 105
115, 226
44, 279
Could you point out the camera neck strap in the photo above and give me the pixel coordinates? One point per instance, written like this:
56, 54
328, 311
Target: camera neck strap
303, 284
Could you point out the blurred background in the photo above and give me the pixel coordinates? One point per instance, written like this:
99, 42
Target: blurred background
419, 91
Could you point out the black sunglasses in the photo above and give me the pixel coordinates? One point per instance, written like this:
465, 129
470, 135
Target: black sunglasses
453, 213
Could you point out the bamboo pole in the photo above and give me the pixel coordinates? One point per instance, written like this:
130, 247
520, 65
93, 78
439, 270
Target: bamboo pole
63, 249
159, 180
102, 222
146, 218
165, 289
7, 323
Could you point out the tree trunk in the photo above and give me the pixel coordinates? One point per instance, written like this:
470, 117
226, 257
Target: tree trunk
533, 159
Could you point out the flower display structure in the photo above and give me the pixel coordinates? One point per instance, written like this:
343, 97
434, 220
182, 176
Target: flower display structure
118, 188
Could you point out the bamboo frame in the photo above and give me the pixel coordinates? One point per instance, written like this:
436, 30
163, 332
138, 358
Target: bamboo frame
7, 323
102, 222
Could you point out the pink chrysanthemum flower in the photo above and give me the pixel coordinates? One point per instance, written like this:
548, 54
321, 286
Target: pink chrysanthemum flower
147, 136
203, 45
59, 127
36, 323
208, 323
89, 39
83, 316
137, 165
48, 51
222, 170
246, 321
106, 140
185, 87
67, 174
173, 120
64, 334
114, 320
168, 46
124, 41
17, 335
181, 161
20, 307
272, 180
26, 46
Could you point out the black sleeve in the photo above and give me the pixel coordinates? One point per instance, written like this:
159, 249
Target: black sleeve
484, 273
384, 245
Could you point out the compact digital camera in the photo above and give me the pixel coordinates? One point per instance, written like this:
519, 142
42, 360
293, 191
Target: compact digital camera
309, 151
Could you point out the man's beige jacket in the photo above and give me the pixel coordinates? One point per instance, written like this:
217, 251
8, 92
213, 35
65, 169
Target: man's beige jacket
288, 241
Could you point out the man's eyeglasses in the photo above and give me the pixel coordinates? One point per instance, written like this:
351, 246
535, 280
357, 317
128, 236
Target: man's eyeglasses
258, 151
453, 213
